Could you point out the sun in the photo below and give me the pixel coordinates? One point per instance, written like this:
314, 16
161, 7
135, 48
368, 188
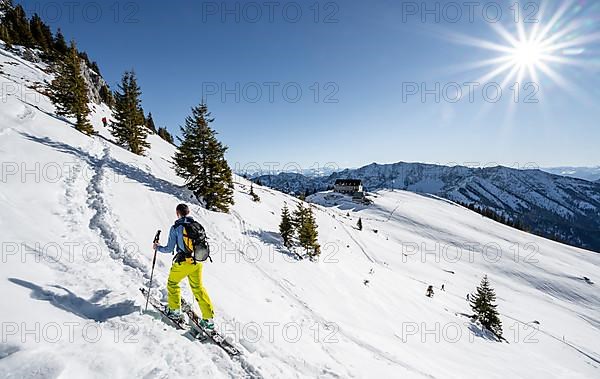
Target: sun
564, 37
527, 54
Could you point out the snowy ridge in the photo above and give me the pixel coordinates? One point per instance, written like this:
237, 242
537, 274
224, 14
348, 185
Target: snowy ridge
77, 246
587, 173
549, 205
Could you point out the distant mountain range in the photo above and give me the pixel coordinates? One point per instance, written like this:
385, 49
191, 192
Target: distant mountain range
255, 172
554, 206
588, 173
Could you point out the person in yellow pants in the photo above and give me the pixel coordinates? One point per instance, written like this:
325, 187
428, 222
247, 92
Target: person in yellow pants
185, 267
193, 272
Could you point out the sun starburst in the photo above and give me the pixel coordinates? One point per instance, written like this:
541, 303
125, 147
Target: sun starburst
537, 51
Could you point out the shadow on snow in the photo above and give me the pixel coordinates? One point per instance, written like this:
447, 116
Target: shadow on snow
70, 302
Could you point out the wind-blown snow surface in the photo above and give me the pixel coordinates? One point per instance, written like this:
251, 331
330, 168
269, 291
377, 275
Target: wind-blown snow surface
78, 214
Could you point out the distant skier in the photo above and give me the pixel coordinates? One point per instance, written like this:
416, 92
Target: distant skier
429, 292
104, 122
184, 266
467, 297
443, 289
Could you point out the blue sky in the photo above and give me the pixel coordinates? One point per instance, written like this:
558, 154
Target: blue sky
354, 62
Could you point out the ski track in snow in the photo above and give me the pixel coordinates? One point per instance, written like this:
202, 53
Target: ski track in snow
591, 356
27, 115
576, 348
279, 285
72, 209
102, 221
322, 320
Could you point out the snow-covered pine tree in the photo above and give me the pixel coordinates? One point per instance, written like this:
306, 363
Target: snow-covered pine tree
200, 160
68, 91
129, 127
482, 303
286, 227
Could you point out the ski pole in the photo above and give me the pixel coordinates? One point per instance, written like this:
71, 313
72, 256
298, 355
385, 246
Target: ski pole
156, 238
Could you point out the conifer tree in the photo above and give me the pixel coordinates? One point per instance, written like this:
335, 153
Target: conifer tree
21, 33
42, 36
129, 127
306, 229
60, 45
307, 233
286, 227
482, 303
5, 5
200, 160
68, 91
106, 96
164, 134
150, 122
359, 224
83, 55
298, 216
94, 67
5, 35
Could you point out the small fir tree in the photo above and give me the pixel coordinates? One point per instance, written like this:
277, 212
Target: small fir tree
307, 231
482, 303
286, 227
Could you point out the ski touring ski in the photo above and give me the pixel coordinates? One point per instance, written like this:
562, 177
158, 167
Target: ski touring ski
162, 308
211, 334
200, 333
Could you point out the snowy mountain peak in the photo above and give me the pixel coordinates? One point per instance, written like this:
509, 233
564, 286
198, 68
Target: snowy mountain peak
554, 206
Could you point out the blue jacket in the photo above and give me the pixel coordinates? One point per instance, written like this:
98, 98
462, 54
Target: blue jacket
175, 236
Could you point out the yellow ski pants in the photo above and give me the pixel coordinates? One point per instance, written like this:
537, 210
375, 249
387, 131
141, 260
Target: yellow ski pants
193, 272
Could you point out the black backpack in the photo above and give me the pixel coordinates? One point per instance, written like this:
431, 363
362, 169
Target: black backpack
194, 241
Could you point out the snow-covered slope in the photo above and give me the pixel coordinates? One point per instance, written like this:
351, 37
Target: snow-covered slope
567, 209
78, 214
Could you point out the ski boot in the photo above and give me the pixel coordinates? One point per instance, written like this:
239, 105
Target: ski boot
175, 315
207, 323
